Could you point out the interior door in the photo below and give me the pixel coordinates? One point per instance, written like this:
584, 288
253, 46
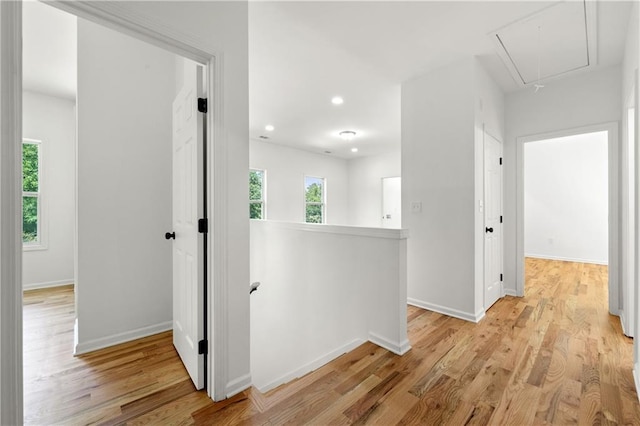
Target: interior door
188, 207
492, 220
391, 202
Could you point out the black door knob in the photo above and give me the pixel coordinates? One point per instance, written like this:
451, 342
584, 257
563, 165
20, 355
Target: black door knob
170, 235
488, 229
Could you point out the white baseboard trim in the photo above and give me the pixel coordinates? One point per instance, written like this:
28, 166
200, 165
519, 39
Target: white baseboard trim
623, 322
636, 378
48, 284
115, 339
510, 292
567, 259
238, 385
467, 316
397, 348
309, 367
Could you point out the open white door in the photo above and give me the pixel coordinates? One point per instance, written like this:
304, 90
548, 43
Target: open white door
188, 208
492, 220
391, 202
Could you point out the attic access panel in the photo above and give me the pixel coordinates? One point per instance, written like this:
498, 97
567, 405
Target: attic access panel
559, 39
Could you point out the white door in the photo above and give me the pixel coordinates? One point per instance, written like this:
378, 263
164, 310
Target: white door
188, 207
391, 202
492, 220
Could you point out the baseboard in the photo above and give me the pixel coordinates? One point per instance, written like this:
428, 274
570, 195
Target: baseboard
510, 292
566, 259
623, 321
48, 284
309, 367
238, 385
467, 316
636, 378
116, 339
398, 349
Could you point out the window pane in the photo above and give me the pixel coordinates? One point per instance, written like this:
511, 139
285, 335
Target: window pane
29, 219
30, 167
313, 189
314, 213
255, 185
255, 211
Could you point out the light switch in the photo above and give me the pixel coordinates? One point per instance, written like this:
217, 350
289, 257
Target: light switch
416, 207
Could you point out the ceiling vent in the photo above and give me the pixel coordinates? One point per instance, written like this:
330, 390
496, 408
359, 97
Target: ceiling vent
554, 41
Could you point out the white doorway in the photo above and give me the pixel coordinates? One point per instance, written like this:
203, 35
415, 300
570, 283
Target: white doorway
493, 289
567, 200
391, 202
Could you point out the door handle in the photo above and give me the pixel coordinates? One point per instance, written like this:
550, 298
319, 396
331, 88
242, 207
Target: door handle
170, 235
488, 229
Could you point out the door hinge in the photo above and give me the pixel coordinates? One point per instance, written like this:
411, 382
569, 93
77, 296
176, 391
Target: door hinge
203, 347
500, 219
500, 277
202, 105
501, 161
203, 226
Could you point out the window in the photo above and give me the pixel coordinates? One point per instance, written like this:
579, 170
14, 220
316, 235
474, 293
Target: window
314, 189
256, 194
31, 195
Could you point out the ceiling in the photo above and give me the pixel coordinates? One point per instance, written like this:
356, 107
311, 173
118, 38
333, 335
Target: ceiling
49, 54
302, 54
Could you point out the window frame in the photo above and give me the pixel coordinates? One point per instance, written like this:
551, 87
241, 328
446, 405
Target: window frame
40, 242
322, 204
263, 195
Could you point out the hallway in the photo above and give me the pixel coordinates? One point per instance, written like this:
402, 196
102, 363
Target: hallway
553, 356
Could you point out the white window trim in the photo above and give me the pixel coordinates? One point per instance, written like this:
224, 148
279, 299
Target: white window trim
263, 194
41, 244
323, 204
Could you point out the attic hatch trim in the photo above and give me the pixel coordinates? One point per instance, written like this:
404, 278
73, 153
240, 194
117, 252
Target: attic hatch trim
591, 33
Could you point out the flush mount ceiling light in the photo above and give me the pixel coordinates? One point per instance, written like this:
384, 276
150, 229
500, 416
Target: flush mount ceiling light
269, 128
337, 100
354, 149
347, 135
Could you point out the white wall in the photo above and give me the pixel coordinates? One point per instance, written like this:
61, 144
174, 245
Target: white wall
572, 102
438, 170
223, 28
324, 290
566, 198
365, 187
125, 92
286, 168
52, 120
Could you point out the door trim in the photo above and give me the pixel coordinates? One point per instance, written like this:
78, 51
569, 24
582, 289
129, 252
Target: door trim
11, 380
614, 210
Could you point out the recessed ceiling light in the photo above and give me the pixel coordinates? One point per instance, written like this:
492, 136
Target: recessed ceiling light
269, 128
354, 149
337, 100
347, 135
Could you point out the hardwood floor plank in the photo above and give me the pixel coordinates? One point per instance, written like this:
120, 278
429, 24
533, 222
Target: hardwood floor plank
555, 356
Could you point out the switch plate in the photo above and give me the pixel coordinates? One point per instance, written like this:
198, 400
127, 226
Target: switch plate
416, 207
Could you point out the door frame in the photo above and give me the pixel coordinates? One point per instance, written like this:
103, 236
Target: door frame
118, 18
614, 210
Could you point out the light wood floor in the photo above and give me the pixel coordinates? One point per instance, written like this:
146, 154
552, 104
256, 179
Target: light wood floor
553, 357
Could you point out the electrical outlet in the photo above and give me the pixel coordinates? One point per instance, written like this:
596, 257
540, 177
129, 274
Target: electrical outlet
416, 207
